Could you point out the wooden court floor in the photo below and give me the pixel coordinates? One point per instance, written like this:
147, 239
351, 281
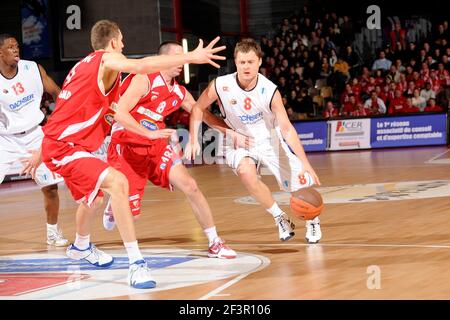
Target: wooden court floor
384, 249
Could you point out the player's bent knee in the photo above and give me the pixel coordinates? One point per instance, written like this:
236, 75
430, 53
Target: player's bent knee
247, 173
97, 203
50, 191
116, 182
191, 186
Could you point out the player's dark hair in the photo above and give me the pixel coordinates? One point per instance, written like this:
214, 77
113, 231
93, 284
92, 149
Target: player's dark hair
3, 37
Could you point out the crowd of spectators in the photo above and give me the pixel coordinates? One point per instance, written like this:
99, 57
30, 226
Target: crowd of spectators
312, 61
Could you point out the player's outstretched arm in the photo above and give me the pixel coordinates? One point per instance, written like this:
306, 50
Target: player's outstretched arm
49, 85
204, 101
210, 119
290, 134
201, 55
138, 87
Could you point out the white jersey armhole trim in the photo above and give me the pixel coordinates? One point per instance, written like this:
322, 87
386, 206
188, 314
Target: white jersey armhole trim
221, 107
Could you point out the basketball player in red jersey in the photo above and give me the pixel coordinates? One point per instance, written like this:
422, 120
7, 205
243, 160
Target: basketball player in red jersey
144, 103
78, 127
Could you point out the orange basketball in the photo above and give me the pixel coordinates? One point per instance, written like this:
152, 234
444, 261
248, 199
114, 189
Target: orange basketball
306, 203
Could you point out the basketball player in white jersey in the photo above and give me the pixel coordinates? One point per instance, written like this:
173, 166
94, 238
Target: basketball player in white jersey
22, 84
251, 105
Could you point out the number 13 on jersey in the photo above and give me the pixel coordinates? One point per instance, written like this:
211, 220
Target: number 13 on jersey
18, 88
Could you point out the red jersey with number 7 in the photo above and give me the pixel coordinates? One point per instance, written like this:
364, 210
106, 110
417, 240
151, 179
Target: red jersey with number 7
80, 116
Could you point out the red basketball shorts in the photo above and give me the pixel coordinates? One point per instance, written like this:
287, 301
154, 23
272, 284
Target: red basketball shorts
141, 164
83, 173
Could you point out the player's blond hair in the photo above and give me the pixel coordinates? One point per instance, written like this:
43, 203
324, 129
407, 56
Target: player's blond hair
247, 45
102, 32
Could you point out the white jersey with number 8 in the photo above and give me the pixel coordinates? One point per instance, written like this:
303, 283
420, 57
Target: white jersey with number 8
247, 112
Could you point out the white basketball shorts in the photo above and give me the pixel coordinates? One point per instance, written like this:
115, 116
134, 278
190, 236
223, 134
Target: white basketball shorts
14, 147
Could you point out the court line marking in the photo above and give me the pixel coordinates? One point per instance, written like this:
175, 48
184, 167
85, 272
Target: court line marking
437, 156
217, 292
264, 262
364, 245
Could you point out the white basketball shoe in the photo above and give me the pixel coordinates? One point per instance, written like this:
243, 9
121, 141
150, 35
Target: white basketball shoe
218, 249
55, 238
313, 231
92, 255
139, 276
285, 227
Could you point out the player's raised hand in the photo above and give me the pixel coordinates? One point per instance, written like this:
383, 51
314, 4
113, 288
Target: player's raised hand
159, 134
207, 54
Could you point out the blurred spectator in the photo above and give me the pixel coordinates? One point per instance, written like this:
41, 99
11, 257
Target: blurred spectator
341, 75
331, 111
410, 90
432, 107
362, 111
375, 104
398, 37
411, 52
422, 56
311, 73
399, 65
382, 62
306, 103
432, 63
410, 108
398, 103
443, 75
445, 61
347, 30
352, 60
394, 73
333, 57
427, 93
325, 69
300, 106
282, 86
418, 81
349, 107
418, 101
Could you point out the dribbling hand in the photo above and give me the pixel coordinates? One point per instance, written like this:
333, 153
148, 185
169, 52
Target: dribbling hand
307, 167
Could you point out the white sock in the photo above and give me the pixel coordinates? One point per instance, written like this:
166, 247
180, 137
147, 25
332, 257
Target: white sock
211, 233
52, 228
82, 242
275, 210
134, 254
